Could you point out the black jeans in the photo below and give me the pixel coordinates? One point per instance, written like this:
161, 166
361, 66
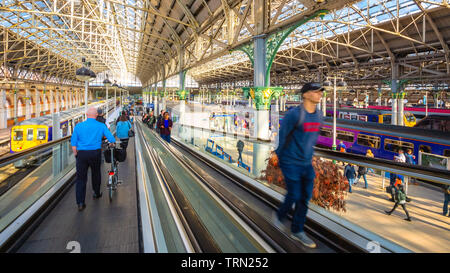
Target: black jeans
124, 143
240, 155
86, 159
403, 206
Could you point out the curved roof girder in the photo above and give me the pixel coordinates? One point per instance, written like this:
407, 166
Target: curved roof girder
416, 45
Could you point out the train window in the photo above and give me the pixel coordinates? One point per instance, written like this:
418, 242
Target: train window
368, 141
386, 119
18, 135
345, 136
30, 134
394, 145
326, 132
447, 152
41, 134
425, 148
362, 118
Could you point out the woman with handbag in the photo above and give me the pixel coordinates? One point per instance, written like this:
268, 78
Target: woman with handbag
122, 131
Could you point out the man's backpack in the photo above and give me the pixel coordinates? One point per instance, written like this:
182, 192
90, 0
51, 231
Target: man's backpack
299, 123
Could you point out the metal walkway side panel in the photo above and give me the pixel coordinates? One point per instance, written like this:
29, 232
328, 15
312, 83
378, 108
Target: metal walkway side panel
102, 227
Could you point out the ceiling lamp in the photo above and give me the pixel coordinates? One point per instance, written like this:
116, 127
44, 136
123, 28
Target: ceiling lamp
83, 74
106, 82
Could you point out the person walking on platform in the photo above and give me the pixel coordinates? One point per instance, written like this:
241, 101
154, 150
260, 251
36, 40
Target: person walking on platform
350, 174
165, 127
362, 171
123, 127
86, 144
401, 199
298, 135
240, 147
446, 199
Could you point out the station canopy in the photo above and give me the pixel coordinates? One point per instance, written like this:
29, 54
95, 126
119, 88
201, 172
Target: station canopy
151, 39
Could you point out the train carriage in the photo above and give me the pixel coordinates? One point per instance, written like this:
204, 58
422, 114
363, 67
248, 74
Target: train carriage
384, 140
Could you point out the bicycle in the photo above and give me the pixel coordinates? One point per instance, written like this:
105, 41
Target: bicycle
113, 175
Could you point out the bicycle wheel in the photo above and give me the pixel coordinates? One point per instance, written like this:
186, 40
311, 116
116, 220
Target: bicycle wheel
110, 188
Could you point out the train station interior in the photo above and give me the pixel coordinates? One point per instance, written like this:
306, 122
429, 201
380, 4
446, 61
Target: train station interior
208, 88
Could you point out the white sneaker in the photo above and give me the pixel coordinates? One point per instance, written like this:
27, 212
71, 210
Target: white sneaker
305, 240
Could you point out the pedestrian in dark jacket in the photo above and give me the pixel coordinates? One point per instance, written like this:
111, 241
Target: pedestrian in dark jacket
165, 127
446, 199
298, 135
100, 117
158, 119
240, 147
401, 200
350, 174
362, 171
151, 120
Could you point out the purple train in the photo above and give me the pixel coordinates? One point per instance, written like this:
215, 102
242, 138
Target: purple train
384, 140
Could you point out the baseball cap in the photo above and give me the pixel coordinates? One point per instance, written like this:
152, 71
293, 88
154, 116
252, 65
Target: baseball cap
311, 86
99, 111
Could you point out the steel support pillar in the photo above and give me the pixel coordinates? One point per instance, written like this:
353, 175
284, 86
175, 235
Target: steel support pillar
3, 110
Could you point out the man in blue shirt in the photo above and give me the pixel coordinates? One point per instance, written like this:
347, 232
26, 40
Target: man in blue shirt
86, 146
298, 135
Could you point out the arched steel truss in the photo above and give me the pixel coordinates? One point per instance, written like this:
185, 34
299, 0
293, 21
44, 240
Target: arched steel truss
151, 39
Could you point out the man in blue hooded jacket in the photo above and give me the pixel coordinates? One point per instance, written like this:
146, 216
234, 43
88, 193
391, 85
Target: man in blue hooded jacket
298, 135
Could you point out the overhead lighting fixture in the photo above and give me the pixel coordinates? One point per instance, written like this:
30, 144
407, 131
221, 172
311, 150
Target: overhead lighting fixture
106, 82
83, 74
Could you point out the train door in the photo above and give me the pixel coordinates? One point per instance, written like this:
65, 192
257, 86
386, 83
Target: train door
386, 118
41, 135
30, 133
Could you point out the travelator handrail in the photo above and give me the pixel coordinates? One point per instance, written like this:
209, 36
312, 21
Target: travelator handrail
426, 173
12, 157
196, 238
422, 172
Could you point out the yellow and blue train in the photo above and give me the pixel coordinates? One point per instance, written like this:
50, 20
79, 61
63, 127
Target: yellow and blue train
36, 131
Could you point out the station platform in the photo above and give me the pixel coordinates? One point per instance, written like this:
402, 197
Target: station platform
429, 229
